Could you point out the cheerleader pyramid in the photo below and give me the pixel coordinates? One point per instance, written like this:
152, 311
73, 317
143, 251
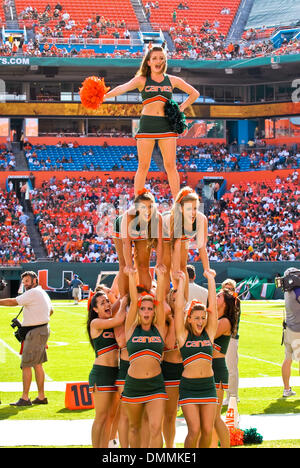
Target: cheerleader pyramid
155, 350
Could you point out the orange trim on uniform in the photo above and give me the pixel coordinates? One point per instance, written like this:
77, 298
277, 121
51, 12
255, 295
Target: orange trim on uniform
172, 383
145, 352
222, 385
119, 383
196, 357
107, 350
111, 388
217, 347
145, 399
188, 401
154, 99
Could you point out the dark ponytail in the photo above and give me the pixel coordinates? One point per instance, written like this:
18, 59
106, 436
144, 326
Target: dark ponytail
92, 314
232, 309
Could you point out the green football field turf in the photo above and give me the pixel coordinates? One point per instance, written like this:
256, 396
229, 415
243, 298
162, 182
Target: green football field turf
70, 358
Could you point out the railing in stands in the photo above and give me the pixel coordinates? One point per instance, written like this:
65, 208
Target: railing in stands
89, 41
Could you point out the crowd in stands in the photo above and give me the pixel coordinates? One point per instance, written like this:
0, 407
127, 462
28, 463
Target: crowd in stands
205, 157
57, 22
197, 42
7, 158
205, 42
224, 158
251, 222
15, 244
256, 222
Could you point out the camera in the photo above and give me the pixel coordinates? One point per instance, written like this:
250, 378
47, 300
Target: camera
15, 323
289, 282
19, 333
3, 284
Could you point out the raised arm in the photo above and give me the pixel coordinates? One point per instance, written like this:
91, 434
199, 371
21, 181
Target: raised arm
159, 249
134, 83
212, 319
115, 321
180, 303
170, 339
126, 242
202, 228
160, 298
120, 330
132, 313
176, 259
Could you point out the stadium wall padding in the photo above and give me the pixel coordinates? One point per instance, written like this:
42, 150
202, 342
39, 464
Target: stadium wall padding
111, 141
192, 177
53, 274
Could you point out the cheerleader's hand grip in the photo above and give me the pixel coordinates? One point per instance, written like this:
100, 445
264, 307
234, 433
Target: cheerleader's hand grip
92, 92
175, 117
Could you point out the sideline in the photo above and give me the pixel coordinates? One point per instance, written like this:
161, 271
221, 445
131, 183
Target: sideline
70, 433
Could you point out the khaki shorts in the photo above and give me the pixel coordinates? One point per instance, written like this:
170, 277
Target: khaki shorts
34, 350
292, 344
76, 292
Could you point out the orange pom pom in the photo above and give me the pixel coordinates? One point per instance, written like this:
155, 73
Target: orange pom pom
236, 437
92, 92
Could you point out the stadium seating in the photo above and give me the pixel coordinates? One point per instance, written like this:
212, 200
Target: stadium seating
216, 158
75, 223
15, 245
81, 10
201, 158
7, 159
196, 14
66, 210
84, 156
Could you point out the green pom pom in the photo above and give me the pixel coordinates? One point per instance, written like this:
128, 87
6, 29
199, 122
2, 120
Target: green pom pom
175, 117
251, 436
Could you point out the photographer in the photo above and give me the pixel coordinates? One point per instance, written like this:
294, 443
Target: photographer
34, 332
291, 326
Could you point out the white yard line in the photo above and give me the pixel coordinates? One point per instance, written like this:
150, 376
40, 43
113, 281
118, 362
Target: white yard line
261, 323
267, 362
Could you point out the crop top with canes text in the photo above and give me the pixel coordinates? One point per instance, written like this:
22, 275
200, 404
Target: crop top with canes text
154, 91
196, 347
105, 343
145, 343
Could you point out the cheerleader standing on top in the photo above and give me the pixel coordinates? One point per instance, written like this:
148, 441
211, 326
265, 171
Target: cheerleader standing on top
156, 88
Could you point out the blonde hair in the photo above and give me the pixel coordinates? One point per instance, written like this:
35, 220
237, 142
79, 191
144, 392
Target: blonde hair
144, 69
145, 195
229, 281
147, 297
194, 308
185, 195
